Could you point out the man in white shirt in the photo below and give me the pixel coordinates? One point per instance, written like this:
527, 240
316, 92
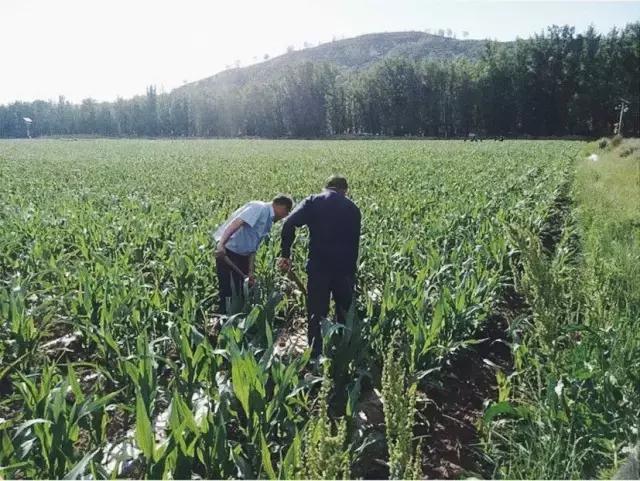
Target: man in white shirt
238, 239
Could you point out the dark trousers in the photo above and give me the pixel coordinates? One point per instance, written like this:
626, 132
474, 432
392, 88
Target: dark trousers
321, 287
228, 277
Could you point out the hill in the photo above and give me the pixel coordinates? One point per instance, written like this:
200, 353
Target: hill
349, 54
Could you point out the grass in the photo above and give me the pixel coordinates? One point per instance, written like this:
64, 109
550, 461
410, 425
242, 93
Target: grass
608, 195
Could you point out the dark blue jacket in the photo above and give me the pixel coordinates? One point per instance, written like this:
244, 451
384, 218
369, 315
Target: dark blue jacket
334, 226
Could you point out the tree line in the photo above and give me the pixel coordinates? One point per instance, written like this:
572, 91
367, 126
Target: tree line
557, 83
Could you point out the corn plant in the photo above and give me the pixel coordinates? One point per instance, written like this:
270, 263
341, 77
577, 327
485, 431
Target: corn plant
110, 240
57, 416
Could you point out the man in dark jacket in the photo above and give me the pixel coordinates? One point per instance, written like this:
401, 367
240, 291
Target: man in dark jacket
334, 226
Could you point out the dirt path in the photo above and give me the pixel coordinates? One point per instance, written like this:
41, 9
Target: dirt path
453, 409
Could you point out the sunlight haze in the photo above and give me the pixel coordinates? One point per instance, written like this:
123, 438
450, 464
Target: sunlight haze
104, 50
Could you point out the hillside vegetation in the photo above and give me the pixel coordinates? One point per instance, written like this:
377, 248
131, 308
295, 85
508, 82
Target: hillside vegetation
348, 54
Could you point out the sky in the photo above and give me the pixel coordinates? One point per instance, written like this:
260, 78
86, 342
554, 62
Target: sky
110, 48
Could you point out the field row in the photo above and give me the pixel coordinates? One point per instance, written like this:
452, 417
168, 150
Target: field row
109, 342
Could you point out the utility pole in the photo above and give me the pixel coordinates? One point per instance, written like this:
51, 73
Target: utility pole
27, 123
623, 107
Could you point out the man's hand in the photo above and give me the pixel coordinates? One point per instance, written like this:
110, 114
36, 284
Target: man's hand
220, 251
251, 276
284, 264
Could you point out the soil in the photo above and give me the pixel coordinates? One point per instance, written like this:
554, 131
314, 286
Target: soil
454, 408
292, 338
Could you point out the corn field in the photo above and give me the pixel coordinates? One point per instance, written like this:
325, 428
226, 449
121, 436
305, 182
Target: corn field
113, 362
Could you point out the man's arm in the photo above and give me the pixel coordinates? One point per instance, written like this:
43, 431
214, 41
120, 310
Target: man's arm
358, 234
248, 215
300, 216
353, 239
226, 235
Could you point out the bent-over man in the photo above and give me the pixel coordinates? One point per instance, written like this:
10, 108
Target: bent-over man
238, 240
334, 227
